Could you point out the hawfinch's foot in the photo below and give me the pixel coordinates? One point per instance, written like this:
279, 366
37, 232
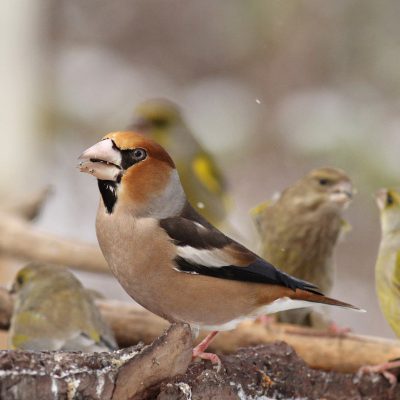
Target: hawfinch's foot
198, 351
383, 369
215, 360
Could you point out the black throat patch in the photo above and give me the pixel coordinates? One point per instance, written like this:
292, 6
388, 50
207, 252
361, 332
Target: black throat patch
108, 190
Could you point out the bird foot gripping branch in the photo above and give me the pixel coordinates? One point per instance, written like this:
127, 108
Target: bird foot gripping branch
198, 351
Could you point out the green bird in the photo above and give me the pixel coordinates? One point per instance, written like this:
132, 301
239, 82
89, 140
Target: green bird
387, 271
200, 175
299, 230
53, 311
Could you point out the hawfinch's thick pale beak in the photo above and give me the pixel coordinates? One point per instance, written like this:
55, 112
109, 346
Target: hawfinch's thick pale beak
103, 160
342, 193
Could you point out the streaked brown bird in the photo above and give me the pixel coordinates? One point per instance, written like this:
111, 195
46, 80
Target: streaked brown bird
299, 231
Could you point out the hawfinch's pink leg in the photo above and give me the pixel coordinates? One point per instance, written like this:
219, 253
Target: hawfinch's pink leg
198, 351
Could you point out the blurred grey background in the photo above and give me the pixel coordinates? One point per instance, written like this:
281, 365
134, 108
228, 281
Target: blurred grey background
271, 88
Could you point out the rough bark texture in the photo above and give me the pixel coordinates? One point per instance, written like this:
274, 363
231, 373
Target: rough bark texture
132, 373
264, 372
272, 371
318, 348
322, 350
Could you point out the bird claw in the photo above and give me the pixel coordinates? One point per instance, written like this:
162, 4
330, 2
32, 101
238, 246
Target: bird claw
215, 360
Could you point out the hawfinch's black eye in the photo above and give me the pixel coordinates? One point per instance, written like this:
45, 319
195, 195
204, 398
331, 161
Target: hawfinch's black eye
389, 199
323, 182
139, 154
131, 157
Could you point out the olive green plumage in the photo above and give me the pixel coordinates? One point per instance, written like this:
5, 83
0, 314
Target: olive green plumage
299, 231
53, 311
201, 178
387, 269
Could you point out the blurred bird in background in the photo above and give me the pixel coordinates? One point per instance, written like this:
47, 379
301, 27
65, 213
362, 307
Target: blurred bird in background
53, 311
387, 270
201, 178
299, 230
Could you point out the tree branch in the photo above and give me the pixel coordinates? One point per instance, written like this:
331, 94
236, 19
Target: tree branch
20, 239
131, 373
348, 353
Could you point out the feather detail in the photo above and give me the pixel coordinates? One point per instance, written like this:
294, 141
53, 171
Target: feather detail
207, 251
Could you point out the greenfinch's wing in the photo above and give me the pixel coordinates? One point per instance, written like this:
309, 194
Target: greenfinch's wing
396, 277
95, 328
208, 174
257, 213
27, 329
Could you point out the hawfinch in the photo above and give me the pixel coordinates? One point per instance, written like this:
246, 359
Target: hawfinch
53, 311
202, 180
299, 230
169, 258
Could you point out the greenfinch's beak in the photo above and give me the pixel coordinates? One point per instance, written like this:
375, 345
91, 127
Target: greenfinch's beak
13, 289
380, 198
342, 193
103, 160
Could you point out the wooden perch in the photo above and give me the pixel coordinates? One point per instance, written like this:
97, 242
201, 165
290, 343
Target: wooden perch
132, 324
131, 373
20, 239
272, 371
319, 349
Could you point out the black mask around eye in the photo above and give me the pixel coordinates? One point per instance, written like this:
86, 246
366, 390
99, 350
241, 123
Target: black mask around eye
131, 157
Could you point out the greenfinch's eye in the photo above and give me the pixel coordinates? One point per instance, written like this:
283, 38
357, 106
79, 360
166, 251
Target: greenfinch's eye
324, 182
160, 123
20, 279
389, 199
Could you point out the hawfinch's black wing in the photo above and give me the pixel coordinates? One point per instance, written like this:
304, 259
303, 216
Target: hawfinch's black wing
207, 251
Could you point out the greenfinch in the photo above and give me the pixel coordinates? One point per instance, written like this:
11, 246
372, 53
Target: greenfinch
387, 271
202, 180
299, 230
53, 311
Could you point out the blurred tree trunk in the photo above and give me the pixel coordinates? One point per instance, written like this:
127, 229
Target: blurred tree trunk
21, 79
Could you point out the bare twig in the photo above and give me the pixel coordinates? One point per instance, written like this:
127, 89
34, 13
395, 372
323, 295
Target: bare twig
20, 239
